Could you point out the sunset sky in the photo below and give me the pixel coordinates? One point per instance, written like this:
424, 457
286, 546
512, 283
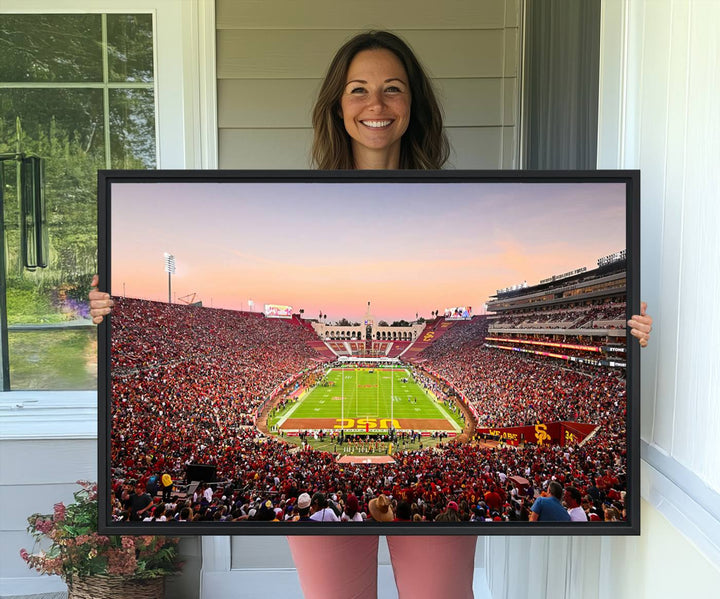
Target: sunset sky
407, 248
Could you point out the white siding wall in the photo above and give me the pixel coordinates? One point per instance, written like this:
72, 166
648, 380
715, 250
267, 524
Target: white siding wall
271, 57
660, 81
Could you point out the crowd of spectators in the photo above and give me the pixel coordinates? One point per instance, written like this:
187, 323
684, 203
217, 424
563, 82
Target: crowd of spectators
511, 389
185, 379
187, 383
476, 482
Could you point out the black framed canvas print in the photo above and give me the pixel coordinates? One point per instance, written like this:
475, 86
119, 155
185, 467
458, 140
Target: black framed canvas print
369, 352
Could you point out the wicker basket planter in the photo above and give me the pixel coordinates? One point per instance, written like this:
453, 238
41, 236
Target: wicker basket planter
116, 587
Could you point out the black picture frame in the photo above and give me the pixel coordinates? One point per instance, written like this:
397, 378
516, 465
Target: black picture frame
108, 204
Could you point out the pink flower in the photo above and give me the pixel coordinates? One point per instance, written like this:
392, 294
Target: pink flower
25, 555
59, 512
128, 543
43, 526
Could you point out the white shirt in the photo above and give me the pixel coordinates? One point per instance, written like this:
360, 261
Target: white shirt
577, 514
325, 515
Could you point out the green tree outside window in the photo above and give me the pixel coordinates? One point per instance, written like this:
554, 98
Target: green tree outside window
78, 91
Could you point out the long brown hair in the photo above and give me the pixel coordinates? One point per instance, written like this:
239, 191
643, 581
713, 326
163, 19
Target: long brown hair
424, 144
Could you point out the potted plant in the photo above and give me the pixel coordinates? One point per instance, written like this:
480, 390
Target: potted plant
67, 544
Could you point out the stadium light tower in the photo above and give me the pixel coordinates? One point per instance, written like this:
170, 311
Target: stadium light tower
170, 270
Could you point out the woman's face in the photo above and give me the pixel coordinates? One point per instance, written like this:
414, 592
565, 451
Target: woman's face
375, 107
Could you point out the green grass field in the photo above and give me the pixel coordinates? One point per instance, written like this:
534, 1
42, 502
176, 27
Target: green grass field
360, 398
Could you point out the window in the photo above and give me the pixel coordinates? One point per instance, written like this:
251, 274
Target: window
77, 90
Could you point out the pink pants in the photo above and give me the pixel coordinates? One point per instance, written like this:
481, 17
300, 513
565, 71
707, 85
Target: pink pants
346, 567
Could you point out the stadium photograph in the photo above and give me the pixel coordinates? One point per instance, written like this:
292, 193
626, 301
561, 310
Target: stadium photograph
397, 352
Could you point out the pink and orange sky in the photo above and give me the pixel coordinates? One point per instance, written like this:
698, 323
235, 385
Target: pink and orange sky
406, 248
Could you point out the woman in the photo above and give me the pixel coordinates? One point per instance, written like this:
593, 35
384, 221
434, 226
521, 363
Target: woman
377, 110
363, 118
351, 513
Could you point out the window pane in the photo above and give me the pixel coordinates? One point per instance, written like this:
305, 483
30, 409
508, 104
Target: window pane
54, 360
49, 117
65, 128
132, 128
50, 48
130, 47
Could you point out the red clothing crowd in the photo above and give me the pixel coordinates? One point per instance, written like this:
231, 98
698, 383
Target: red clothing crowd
187, 382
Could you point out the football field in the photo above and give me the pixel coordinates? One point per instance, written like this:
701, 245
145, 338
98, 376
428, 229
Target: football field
368, 400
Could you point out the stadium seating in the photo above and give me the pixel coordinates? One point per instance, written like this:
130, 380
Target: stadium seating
188, 383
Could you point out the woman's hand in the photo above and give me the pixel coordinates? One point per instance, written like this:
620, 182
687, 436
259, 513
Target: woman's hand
100, 302
641, 325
